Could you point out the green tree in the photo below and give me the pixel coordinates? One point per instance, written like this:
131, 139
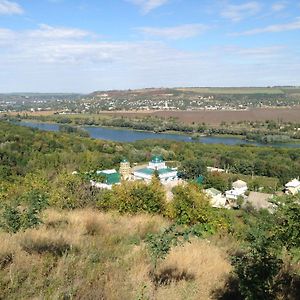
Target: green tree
192, 168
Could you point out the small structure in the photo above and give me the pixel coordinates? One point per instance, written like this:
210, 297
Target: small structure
125, 169
292, 187
111, 177
158, 165
239, 188
217, 200
213, 169
240, 185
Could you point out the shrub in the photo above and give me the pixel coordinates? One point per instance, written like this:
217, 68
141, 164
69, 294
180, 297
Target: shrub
190, 205
134, 197
45, 244
14, 219
72, 192
92, 226
11, 219
105, 200
6, 258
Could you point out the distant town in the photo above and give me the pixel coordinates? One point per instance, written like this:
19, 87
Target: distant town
216, 99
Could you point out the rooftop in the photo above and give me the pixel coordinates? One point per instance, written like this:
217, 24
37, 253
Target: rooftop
213, 191
294, 183
239, 184
157, 159
111, 176
149, 171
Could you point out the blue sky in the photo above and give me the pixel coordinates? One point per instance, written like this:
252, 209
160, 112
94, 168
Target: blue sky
88, 45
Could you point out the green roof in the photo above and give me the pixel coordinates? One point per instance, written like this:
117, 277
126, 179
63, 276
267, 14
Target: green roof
111, 178
200, 179
157, 159
148, 171
213, 191
124, 160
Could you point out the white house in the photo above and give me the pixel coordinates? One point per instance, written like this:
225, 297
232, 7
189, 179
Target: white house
156, 164
239, 189
240, 185
216, 197
292, 187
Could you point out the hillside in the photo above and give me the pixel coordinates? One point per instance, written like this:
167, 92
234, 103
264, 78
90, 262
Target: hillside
64, 239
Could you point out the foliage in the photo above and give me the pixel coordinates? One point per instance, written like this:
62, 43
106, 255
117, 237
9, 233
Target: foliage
71, 191
217, 180
190, 205
160, 244
14, 219
257, 270
287, 222
191, 169
134, 197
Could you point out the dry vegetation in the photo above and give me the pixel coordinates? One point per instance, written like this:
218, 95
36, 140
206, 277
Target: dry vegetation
90, 255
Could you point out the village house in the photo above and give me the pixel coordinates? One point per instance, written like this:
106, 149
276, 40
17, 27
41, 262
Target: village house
292, 187
156, 164
216, 198
239, 188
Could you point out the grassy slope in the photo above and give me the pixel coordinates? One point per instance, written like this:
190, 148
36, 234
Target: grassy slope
105, 258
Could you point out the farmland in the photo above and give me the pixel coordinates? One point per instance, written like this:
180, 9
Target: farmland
216, 117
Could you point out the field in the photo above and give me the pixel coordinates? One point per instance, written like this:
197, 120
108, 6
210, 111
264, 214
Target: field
216, 117
234, 91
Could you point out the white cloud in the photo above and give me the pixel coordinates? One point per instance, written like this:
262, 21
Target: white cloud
174, 33
239, 12
10, 8
148, 5
34, 61
272, 28
46, 31
279, 6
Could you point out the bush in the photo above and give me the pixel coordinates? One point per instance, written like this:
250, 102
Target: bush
71, 191
44, 244
14, 219
135, 197
190, 205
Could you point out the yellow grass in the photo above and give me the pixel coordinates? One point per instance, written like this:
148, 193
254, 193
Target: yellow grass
86, 254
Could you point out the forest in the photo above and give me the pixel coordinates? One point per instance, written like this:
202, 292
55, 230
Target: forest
63, 239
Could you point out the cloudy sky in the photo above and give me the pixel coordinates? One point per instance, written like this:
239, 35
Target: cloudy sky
87, 45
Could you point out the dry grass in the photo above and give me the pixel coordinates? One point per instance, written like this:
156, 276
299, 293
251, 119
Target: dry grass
86, 254
191, 271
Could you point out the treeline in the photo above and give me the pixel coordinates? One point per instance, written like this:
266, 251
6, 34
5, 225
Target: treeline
24, 150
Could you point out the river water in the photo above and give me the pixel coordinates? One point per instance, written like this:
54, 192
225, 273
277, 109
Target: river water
127, 135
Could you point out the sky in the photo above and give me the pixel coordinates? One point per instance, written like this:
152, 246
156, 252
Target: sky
88, 45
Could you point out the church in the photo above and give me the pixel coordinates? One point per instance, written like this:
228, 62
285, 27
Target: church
156, 164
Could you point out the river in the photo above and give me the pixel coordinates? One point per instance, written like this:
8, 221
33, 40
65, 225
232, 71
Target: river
127, 135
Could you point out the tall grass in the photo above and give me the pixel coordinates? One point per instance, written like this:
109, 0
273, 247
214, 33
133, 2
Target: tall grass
86, 254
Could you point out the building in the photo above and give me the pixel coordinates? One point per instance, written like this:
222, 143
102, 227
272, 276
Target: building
240, 185
216, 197
156, 164
110, 177
239, 188
125, 169
292, 187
